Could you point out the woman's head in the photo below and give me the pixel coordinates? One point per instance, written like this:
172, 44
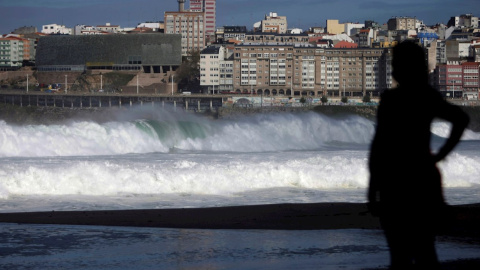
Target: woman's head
409, 64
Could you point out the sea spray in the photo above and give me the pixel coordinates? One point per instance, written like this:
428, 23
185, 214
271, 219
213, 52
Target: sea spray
252, 134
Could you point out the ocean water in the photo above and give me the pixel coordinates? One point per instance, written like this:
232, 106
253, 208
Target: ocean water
172, 160
182, 160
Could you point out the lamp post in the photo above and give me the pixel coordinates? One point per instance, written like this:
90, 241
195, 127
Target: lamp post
66, 83
173, 76
453, 89
27, 82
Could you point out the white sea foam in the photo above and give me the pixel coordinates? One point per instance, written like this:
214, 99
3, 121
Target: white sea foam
264, 159
442, 129
256, 134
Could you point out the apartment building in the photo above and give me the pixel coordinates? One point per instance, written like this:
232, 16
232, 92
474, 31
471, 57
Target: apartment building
459, 80
109, 28
210, 10
448, 79
464, 20
196, 5
273, 23
263, 69
263, 37
190, 25
11, 53
470, 74
216, 70
303, 69
56, 29
229, 33
402, 23
334, 27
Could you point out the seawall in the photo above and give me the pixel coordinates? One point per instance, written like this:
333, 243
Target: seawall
50, 115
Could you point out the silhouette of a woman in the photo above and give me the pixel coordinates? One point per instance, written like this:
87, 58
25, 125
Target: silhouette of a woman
405, 185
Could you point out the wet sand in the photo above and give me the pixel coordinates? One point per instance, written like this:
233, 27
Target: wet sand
313, 216
317, 216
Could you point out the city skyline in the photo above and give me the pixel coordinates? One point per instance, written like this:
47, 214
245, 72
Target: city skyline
300, 14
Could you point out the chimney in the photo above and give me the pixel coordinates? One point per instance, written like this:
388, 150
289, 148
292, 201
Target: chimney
181, 5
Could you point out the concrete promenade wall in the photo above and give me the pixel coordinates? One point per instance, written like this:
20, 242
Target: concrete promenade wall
182, 102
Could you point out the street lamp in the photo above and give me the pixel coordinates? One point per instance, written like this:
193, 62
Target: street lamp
173, 76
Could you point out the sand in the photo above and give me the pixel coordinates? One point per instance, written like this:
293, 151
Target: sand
315, 216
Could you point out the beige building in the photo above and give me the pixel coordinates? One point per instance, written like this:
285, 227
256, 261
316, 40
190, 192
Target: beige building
287, 69
108, 27
402, 23
333, 27
274, 24
190, 25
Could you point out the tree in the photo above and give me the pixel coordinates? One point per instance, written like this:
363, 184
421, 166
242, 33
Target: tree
324, 99
303, 100
188, 74
344, 99
366, 99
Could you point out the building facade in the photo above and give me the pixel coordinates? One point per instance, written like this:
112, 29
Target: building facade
464, 20
56, 29
11, 53
209, 7
272, 23
458, 80
402, 23
471, 86
216, 70
289, 69
334, 27
152, 53
191, 27
109, 28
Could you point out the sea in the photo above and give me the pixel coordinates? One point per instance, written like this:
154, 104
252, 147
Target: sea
161, 159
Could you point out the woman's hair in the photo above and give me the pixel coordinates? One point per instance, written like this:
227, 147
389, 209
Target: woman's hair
409, 63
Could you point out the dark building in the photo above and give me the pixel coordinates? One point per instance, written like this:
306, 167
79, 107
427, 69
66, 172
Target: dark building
154, 53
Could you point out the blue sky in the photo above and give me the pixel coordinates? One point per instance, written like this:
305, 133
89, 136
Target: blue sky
300, 13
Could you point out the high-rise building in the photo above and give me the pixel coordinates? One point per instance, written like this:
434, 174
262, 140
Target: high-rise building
196, 5
210, 10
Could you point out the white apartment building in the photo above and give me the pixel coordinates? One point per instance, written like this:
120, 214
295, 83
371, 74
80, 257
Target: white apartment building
210, 68
56, 29
353, 28
11, 53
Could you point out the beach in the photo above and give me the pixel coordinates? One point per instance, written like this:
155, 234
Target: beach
284, 191
328, 225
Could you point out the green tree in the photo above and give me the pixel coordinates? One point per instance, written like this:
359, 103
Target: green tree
324, 99
189, 71
344, 99
303, 100
366, 99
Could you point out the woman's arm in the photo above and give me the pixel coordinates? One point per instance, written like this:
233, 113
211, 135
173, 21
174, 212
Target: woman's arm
459, 120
